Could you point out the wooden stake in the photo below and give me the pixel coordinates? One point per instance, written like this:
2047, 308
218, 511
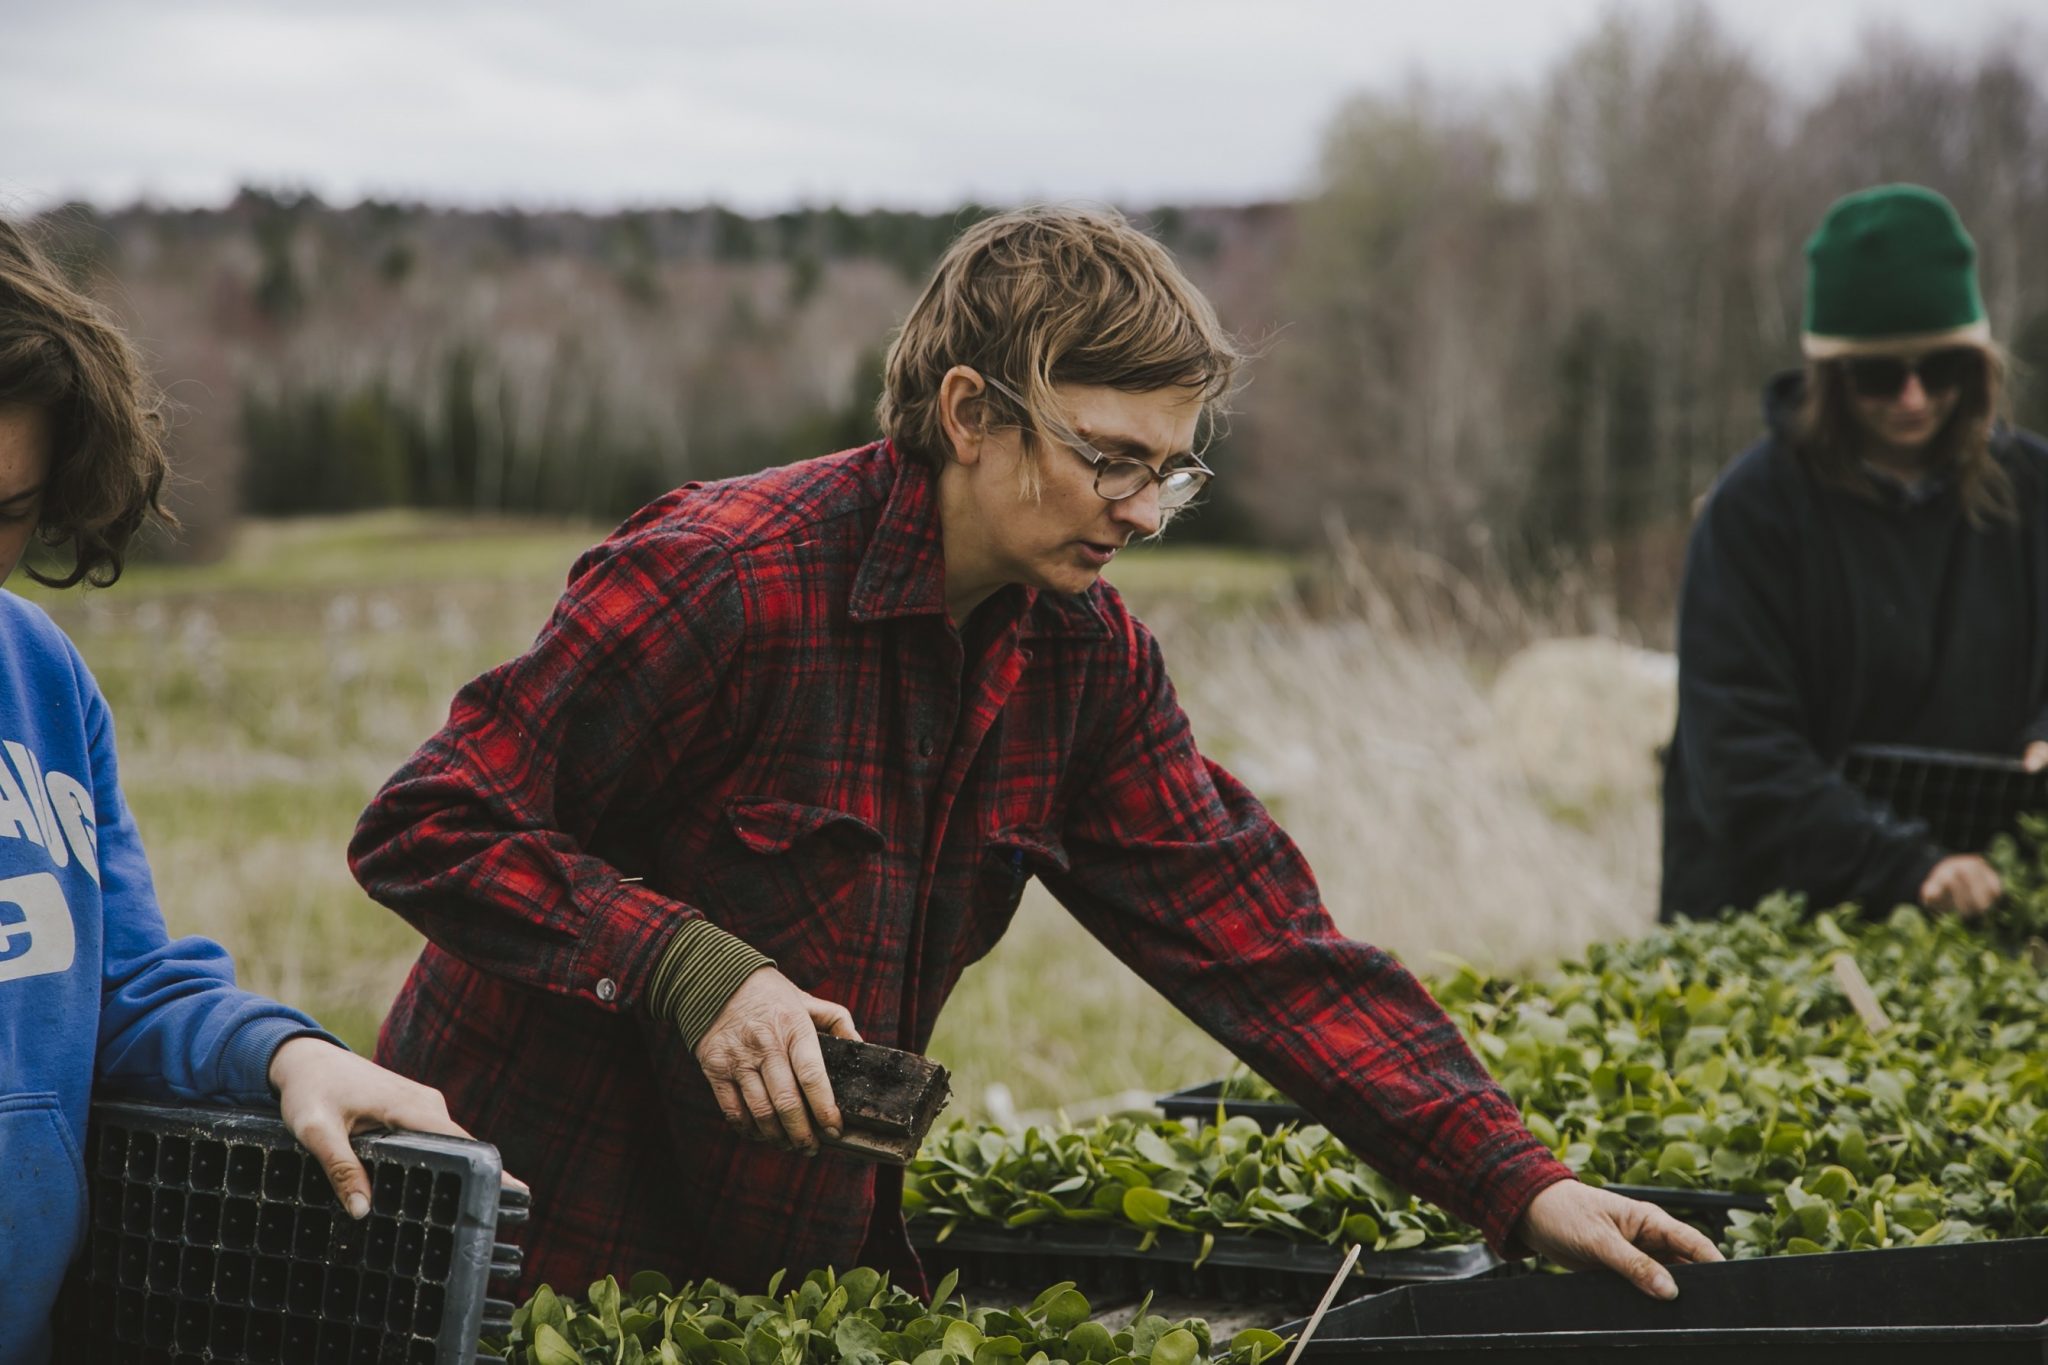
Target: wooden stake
1856, 986
1343, 1274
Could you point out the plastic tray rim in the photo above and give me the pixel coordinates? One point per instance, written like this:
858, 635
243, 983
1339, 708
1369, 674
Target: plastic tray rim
1462, 1261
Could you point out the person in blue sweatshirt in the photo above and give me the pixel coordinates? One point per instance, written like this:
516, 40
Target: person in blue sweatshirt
94, 994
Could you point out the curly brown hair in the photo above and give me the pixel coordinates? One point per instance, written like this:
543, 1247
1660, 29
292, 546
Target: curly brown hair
59, 352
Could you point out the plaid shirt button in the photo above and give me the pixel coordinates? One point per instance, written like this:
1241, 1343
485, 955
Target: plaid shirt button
607, 989
924, 746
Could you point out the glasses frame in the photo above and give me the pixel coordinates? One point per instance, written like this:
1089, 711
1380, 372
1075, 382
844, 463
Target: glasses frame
1861, 371
1102, 463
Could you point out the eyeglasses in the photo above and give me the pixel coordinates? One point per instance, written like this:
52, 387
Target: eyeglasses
1116, 477
1884, 376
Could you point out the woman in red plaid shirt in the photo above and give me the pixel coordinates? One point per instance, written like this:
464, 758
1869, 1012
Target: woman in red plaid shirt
784, 758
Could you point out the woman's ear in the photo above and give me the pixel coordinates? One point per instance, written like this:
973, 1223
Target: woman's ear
963, 413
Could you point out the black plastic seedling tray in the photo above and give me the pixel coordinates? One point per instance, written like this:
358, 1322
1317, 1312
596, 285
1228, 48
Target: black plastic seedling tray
215, 1237
1694, 1201
1106, 1260
1965, 799
1199, 1102
1981, 1303
1707, 1207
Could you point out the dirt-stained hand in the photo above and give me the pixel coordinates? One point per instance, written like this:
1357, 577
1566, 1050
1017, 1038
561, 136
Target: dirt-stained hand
1962, 884
326, 1093
1581, 1228
761, 1057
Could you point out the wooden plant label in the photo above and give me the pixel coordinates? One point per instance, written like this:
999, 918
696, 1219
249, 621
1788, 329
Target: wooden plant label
1862, 998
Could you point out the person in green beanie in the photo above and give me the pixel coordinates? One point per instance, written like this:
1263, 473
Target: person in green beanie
1872, 571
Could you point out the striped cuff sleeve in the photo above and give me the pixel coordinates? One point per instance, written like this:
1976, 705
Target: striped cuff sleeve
698, 972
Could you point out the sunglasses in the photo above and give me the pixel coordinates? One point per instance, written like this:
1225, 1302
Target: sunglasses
1884, 376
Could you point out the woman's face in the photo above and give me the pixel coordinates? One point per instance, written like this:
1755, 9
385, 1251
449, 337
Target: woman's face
1906, 420
1066, 536
24, 466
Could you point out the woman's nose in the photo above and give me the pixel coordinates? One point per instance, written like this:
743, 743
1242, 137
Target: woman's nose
1140, 511
1914, 395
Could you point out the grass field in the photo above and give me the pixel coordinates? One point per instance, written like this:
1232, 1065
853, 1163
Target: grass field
261, 701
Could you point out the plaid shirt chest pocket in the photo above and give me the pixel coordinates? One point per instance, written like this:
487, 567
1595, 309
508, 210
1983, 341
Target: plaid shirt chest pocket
1010, 859
784, 876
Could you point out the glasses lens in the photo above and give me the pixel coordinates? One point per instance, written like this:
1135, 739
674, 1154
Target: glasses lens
1946, 369
1876, 376
1120, 479
1181, 486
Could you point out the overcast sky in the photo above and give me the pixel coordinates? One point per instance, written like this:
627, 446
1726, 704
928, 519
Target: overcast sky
769, 103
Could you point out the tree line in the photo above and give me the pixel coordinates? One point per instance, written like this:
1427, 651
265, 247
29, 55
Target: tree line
1516, 326
1535, 328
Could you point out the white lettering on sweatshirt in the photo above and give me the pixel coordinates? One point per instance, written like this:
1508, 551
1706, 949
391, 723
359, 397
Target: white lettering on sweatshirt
54, 811
36, 937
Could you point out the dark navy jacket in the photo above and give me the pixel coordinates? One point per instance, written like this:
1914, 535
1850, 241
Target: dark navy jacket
1812, 619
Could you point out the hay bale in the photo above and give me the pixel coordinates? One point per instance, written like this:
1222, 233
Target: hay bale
1583, 721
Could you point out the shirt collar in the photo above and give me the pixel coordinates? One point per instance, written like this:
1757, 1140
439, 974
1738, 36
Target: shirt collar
1917, 493
903, 570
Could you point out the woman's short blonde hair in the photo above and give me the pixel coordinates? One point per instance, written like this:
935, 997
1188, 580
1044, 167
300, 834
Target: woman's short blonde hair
1044, 296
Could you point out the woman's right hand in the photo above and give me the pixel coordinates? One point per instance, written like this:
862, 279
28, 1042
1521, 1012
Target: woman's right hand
1962, 884
762, 1059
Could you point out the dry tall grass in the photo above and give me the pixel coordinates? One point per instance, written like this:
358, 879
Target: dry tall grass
261, 701
1368, 731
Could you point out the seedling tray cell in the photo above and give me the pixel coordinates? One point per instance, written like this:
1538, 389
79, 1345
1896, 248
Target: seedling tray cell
1965, 800
1982, 1303
1199, 1102
214, 1237
1105, 1260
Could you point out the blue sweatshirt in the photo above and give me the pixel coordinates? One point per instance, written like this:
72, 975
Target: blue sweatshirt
92, 990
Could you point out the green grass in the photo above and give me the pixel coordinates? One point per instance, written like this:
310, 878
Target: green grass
407, 549
393, 549
1229, 581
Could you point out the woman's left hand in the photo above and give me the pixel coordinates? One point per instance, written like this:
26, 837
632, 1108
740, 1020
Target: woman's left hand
327, 1092
1582, 1228
2036, 756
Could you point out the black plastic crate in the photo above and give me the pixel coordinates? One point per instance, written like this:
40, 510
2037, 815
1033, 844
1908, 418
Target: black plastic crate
1707, 1208
1981, 1303
1966, 800
215, 1237
1105, 1260
1199, 1102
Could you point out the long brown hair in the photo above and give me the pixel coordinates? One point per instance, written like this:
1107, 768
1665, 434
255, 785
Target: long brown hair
1829, 439
60, 353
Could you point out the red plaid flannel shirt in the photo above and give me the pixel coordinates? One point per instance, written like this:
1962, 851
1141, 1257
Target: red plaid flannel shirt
750, 706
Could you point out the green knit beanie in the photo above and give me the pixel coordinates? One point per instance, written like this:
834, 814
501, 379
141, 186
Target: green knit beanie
1891, 269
